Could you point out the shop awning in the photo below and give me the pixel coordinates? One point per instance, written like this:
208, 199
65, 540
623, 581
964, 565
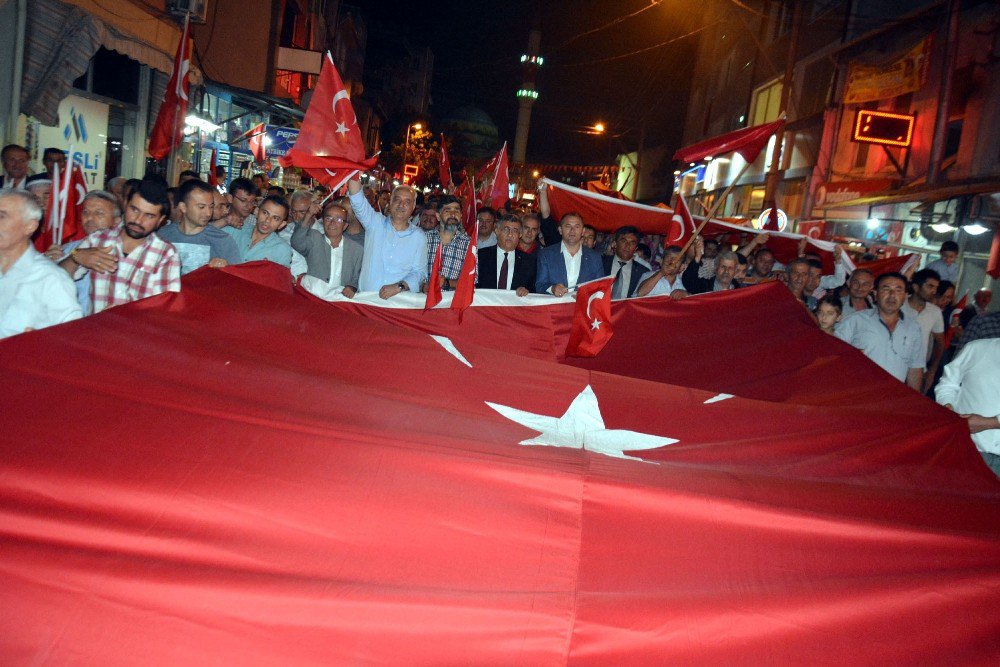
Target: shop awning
920, 193
281, 110
62, 37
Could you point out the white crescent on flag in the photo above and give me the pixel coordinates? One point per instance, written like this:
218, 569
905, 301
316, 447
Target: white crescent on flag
595, 295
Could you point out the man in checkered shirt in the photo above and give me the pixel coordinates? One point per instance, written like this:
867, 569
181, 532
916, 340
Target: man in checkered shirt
456, 242
129, 262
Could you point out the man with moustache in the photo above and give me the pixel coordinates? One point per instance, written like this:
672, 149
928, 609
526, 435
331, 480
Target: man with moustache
451, 236
331, 257
128, 262
886, 335
197, 242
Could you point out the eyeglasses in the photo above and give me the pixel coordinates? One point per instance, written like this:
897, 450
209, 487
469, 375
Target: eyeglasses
245, 200
334, 218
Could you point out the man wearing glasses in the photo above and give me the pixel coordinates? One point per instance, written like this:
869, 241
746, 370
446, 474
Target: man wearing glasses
332, 257
503, 266
243, 195
886, 335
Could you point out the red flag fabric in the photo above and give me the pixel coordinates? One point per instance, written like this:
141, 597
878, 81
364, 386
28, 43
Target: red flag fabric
256, 143
65, 203
444, 166
814, 229
889, 264
494, 188
213, 180
168, 131
332, 178
268, 504
434, 281
329, 137
993, 263
591, 329
682, 225
603, 188
952, 329
465, 289
747, 141
467, 193
771, 224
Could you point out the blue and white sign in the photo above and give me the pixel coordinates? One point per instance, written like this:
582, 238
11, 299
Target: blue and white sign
279, 140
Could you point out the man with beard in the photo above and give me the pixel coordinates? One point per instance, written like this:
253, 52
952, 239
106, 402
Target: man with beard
504, 266
258, 238
198, 243
128, 262
451, 237
395, 251
885, 335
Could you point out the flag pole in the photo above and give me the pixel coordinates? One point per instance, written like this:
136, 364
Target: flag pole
172, 157
64, 199
54, 201
715, 206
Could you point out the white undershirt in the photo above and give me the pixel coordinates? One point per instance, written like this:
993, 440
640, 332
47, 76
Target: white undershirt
336, 264
573, 263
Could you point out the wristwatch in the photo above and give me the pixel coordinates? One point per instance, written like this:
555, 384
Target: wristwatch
402, 286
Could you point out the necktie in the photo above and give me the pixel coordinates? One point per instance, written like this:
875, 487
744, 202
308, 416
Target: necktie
616, 289
502, 281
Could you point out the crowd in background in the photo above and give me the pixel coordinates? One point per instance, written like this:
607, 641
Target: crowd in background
141, 236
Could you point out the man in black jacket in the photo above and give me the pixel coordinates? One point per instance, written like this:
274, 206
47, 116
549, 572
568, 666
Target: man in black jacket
504, 266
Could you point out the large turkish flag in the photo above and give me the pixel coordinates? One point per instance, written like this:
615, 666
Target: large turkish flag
243, 475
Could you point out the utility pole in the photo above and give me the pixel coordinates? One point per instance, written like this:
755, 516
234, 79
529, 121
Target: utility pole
776, 173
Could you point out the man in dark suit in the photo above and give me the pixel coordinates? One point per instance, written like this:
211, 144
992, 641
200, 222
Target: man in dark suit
625, 265
563, 266
503, 266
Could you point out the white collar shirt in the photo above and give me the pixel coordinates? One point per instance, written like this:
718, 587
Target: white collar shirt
336, 264
35, 293
510, 266
971, 385
573, 263
623, 270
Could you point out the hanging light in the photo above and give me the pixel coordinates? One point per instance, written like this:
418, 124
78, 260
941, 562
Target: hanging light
942, 227
975, 229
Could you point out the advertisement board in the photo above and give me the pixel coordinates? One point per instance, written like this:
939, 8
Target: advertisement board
83, 125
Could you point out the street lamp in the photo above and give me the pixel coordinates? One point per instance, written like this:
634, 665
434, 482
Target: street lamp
406, 148
599, 127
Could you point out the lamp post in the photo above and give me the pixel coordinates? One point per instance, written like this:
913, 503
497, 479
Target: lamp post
406, 148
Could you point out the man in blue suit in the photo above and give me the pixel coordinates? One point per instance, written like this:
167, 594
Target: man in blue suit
562, 267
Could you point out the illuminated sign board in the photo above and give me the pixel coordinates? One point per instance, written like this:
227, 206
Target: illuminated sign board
883, 128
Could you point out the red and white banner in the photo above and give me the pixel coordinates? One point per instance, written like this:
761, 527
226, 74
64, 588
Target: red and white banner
747, 141
813, 229
65, 221
591, 329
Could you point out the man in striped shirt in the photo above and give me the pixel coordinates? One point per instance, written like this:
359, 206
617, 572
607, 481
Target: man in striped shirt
129, 261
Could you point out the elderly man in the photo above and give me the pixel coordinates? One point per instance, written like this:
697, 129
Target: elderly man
970, 386
100, 210
563, 266
504, 266
885, 335
666, 279
128, 262
41, 190
798, 281
395, 251
624, 265
724, 278
34, 292
197, 242
303, 210
531, 223
331, 257
859, 288
451, 237
15, 167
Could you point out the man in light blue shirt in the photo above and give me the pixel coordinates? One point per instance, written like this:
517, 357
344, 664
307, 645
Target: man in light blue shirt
395, 251
258, 238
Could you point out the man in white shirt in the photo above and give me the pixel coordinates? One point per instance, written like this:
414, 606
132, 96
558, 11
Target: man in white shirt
15, 167
666, 279
332, 258
920, 308
970, 386
563, 266
34, 292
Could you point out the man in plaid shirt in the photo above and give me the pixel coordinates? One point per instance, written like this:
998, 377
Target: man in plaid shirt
129, 262
456, 242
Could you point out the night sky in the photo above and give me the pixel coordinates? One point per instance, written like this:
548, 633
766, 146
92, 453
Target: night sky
477, 47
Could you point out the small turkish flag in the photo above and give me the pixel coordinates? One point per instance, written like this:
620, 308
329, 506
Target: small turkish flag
591, 329
772, 218
168, 131
444, 169
434, 281
329, 137
814, 229
65, 220
682, 225
494, 190
256, 143
213, 180
467, 193
466, 287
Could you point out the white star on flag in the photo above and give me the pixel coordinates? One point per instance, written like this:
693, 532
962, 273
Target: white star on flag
341, 128
596, 324
582, 427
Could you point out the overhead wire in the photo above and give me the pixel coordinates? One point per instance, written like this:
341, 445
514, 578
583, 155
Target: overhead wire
622, 56
620, 19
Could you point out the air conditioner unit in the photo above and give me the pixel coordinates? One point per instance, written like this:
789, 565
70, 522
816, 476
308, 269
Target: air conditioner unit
196, 9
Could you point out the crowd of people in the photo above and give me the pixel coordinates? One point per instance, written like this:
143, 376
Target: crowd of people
141, 236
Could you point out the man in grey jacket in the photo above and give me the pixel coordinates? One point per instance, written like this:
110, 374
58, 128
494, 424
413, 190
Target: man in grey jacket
331, 257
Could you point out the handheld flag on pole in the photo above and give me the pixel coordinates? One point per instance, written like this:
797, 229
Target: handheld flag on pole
168, 131
591, 329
